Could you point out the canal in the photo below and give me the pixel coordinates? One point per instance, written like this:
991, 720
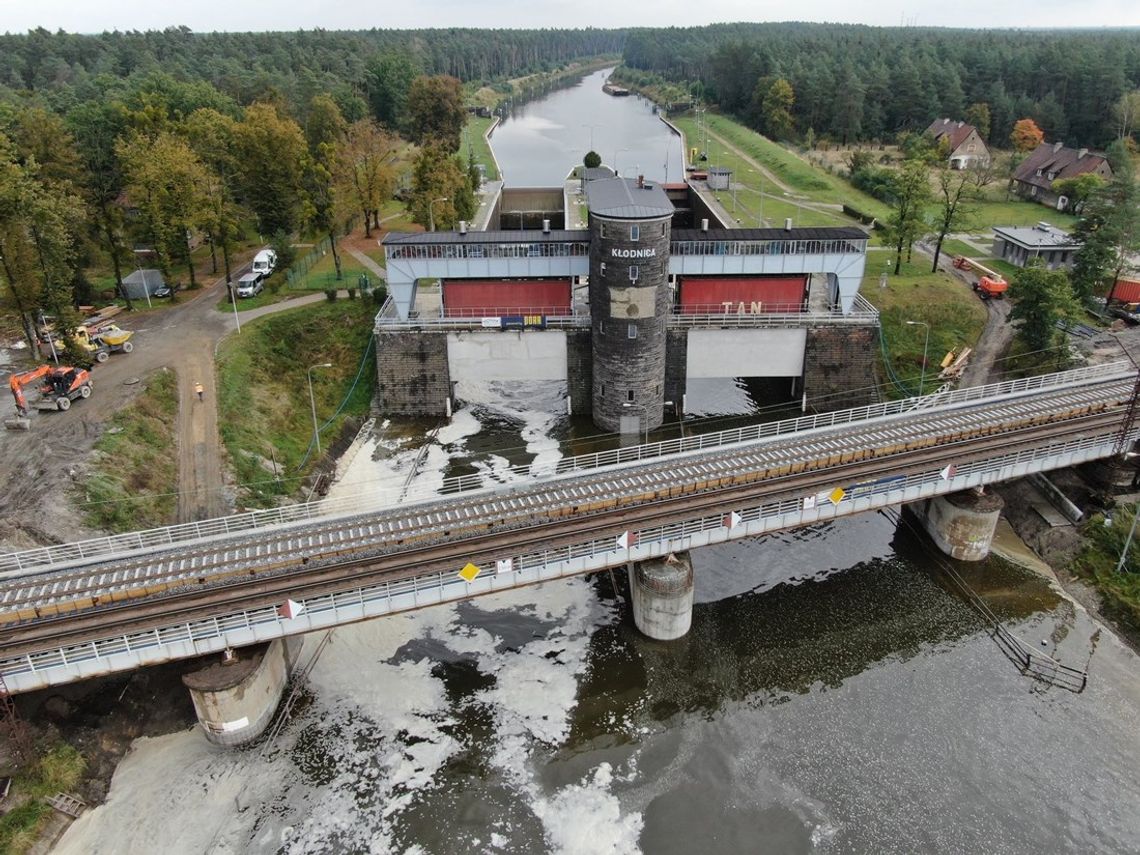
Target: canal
833, 695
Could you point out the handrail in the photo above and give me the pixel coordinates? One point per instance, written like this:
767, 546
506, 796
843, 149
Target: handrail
15, 563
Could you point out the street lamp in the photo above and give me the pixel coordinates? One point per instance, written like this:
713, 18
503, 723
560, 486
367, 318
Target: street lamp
925, 346
591, 127
431, 210
313, 404
618, 151
142, 275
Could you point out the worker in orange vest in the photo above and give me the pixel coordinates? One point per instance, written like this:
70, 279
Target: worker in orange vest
199, 391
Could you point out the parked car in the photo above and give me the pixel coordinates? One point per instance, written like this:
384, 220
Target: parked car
265, 262
250, 285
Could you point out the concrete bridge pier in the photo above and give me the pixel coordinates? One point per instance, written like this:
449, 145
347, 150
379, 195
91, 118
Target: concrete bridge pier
661, 590
962, 524
235, 698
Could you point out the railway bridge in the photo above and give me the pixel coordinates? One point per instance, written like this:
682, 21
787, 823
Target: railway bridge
78, 610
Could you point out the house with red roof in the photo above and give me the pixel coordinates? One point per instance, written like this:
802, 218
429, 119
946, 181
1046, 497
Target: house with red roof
1051, 162
963, 142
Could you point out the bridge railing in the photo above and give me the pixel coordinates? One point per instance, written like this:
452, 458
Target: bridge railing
266, 622
46, 557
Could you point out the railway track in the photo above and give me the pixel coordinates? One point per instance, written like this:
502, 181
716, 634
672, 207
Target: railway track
246, 591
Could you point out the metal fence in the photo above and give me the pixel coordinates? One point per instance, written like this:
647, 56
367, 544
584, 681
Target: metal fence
16, 563
300, 268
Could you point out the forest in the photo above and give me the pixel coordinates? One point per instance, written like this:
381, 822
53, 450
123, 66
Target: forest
852, 83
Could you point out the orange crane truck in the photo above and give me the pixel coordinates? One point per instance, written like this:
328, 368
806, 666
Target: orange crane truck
991, 285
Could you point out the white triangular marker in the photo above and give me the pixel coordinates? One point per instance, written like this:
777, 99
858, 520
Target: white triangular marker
504, 565
623, 541
291, 609
949, 472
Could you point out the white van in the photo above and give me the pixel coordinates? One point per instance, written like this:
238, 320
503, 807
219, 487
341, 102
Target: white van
265, 262
249, 285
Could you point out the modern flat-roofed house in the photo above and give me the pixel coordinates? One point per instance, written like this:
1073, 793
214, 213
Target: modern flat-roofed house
1020, 245
1051, 162
964, 142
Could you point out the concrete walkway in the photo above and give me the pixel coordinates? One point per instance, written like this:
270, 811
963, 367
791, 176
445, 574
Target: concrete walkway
371, 265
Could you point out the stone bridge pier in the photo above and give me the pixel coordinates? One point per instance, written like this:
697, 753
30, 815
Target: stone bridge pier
235, 697
661, 590
961, 524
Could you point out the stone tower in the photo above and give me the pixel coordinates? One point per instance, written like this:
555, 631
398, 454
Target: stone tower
629, 300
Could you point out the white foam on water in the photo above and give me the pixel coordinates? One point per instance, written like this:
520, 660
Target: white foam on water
586, 818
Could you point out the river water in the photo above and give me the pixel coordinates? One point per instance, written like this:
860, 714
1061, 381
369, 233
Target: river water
833, 695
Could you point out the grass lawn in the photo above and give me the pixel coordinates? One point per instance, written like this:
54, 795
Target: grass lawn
263, 396
798, 174
322, 275
952, 247
998, 212
473, 137
1098, 559
57, 770
955, 316
133, 482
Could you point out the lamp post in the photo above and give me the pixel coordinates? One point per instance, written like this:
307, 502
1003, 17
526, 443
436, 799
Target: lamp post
431, 210
313, 404
618, 151
138, 264
591, 127
925, 346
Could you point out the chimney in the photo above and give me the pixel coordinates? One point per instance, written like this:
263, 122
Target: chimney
960, 124
463, 227
1082, 153
1057, 146
641, 181
788, 224
704, 225
546, 227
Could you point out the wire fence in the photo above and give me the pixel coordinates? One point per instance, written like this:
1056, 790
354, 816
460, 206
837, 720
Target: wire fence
296, 274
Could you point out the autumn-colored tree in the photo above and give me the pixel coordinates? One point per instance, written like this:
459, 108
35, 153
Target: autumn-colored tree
912, 191
168, 185
1026, 136
439, 177
211, 135
364, 170
777, 109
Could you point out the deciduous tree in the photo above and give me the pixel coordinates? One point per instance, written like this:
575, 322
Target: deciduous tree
364, 170
912, 191
1041, 298
1025, 135
436, 115
957, 189
271, 157
439, 175
978, 115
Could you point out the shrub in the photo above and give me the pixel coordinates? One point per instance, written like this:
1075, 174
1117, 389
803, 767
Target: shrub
330, 294
351, 293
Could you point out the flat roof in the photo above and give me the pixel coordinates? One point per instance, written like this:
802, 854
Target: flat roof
583, 236
622, 198
819, 233
472, 236
1036, 237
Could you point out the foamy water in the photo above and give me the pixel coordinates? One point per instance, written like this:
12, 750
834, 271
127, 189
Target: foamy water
381, 728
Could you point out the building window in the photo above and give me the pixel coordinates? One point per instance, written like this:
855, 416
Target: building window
602, 270
629, 395
633, 273
601, 328
603, 393
602, 226
631, 331
635, 232
662, 230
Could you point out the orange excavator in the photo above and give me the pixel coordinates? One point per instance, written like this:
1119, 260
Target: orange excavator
61, 385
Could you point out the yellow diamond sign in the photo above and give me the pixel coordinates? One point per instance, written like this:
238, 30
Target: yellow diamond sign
836, 495
469, 573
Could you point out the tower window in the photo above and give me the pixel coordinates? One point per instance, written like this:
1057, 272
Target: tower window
629, 395
603, 269
635, 232
631, 332
633, 273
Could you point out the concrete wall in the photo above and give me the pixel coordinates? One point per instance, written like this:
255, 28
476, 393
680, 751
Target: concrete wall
580, 371
676, 365
236, 702
746, 353
839, 367
507, 355
412, 373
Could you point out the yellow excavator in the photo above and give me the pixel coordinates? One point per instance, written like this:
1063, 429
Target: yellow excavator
99, 341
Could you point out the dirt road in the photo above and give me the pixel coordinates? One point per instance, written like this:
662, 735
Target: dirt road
36, 466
